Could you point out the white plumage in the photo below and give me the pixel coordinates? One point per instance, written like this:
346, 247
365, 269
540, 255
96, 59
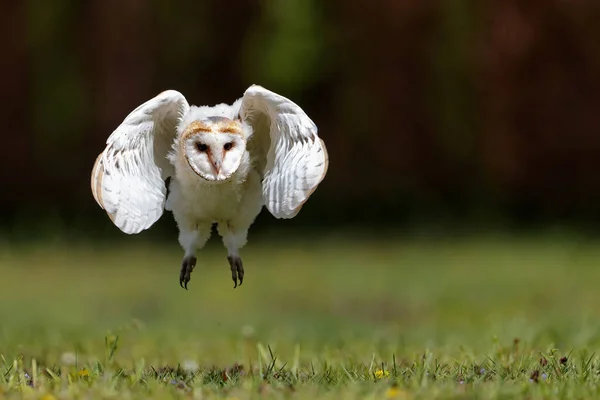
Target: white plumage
224, 163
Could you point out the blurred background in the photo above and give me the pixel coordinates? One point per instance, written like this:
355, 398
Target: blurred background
444, 114
441, 118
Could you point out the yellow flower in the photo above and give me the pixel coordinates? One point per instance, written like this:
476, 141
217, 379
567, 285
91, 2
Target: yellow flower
84, 372
47, 396
381, 374
394, 392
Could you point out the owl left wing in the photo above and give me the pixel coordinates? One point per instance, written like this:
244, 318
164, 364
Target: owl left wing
128, 178
286, 148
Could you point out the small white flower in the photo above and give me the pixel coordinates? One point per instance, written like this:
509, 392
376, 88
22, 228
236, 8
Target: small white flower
68, 358
247, 331
189, 366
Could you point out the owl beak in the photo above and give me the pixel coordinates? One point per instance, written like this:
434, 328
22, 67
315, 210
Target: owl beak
216, 164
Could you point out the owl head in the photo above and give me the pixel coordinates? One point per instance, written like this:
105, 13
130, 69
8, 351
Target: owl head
213, 147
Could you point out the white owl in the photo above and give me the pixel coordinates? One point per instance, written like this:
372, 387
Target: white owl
221, 164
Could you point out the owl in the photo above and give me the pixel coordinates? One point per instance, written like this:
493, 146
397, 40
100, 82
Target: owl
209, 165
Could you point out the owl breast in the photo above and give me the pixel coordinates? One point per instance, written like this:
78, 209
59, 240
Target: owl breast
203, 202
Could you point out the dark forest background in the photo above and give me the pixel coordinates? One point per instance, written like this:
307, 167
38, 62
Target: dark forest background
479, 112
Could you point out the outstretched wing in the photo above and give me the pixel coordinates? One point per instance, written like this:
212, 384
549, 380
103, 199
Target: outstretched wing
286, 147
128, 178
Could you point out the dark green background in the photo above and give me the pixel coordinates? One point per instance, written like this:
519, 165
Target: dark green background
435, 113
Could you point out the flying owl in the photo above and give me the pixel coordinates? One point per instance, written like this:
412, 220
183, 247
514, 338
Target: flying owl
221, 165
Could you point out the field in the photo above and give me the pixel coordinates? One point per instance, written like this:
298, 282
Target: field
489, 317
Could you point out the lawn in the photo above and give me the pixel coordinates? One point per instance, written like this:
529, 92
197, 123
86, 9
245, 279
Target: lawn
487, 317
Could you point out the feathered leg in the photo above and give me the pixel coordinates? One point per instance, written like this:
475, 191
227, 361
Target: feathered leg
234, 238
191, 240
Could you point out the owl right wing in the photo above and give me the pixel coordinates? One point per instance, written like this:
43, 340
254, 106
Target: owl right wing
128, 178
285, 147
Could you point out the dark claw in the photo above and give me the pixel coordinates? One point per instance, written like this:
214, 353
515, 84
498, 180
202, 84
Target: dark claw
187, 266
237, 270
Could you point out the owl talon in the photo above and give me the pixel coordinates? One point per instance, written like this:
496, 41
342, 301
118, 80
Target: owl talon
237, 270
187, 266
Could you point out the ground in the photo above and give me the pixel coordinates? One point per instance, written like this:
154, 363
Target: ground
320, 317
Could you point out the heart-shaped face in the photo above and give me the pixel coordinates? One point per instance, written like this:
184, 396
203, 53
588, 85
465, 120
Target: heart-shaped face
214, 147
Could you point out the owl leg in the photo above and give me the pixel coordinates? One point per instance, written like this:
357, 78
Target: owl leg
191, 241
234, 239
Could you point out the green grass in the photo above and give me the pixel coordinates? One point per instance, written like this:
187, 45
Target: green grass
469, 318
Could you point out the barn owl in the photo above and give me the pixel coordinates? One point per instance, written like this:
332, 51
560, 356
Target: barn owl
221, 164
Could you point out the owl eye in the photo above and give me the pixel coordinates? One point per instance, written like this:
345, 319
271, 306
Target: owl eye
201, 147
228, 146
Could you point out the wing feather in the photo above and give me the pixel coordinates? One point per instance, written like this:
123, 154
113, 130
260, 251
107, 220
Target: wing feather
286, 147
128, 178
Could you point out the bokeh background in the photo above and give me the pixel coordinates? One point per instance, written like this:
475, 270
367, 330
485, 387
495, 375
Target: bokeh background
444, 120
435, 113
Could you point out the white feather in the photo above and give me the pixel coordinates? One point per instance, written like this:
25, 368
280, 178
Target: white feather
133, 166
278, 161
296, 159
196, 113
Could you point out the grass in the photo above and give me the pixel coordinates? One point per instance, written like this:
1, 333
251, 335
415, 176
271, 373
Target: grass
332, 319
